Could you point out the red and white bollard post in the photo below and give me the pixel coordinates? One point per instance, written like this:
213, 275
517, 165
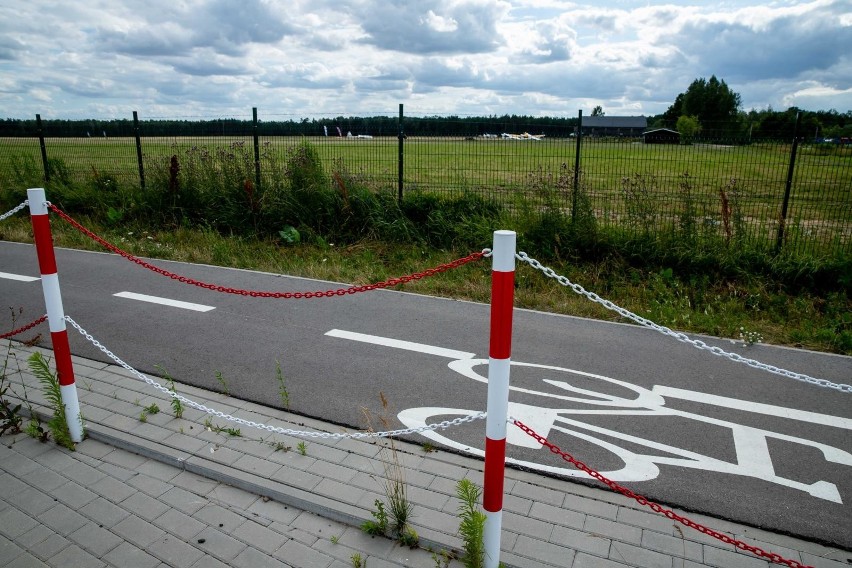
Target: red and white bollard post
499, 360
55, 313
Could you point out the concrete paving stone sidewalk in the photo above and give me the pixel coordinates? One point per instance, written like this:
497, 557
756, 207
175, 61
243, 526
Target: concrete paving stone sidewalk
184, 492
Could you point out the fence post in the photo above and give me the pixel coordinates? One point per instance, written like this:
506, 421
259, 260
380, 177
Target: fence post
138, 150
256, 153
55, 312
577, 166
401, 159
43, 149
499, 361
789, 185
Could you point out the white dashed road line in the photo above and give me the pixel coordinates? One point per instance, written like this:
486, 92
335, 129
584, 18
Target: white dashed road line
19, 277
164, 301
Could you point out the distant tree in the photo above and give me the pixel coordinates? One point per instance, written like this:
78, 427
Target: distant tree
598, 111
688, 126
712, 102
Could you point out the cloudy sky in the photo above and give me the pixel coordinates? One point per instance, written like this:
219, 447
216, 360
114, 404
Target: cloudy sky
313, 58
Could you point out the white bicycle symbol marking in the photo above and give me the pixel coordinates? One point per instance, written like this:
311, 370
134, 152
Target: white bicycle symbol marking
753, 458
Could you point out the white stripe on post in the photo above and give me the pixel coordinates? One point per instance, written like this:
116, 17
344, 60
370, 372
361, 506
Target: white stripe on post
499, 362
55, 313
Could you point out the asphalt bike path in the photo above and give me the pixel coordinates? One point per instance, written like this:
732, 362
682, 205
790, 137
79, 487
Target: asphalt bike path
672, 422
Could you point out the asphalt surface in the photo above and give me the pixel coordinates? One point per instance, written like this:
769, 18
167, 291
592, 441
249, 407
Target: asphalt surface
675, 423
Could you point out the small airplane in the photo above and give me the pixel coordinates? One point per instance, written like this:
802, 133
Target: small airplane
524, 136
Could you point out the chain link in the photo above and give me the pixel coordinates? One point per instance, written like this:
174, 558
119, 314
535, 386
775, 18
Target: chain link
11, 212
266, 427
260, 294
657, 508
682, 337
20, 330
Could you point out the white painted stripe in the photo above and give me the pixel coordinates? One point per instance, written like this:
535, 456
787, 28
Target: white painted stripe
53, 302
503, 257
164, 301
73, 417
755, 407
38, 205
498, 398
491, 538
400, 344
19, 277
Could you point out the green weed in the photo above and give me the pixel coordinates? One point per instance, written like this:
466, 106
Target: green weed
472, 525
57, 424
283, 393
223, 383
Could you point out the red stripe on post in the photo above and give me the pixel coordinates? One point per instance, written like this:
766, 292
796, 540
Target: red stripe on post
44, 244
502, 300
62, 355
495, 463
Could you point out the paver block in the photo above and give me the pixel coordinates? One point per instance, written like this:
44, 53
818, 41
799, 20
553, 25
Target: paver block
150, 485
50, 546
592, 507
32, 501
183, 500
540, 494
580, 541
672, 545
588, 561
637, 556
75, 556
138, 531
193, 482
644, 520
104, 512
128, 555
725, 559
219, 517
274, 510
179, 524
259, 537
8, 551
297, 554
233, 496
557, 515
14, 523
543, 552
94, 539
616, 531
83, 474
74, 495
26, 560
252, 558
62, 519
144, 506
257, 466
217, 543
174, 552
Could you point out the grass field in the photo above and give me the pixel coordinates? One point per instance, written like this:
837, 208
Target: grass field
626, 181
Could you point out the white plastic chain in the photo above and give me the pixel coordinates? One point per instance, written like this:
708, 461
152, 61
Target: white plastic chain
549, 272
266, 427
11, 212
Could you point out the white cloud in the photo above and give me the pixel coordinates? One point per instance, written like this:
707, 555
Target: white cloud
218, 58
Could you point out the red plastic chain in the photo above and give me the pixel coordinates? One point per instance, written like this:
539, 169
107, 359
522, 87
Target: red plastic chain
20, 330
657, 508
260, 294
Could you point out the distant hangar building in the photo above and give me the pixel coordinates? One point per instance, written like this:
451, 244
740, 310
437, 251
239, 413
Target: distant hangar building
614, 125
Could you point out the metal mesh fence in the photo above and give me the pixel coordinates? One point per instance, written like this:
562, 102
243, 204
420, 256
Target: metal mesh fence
733, 190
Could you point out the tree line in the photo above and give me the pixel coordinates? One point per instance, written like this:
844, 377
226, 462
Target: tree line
709, 109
